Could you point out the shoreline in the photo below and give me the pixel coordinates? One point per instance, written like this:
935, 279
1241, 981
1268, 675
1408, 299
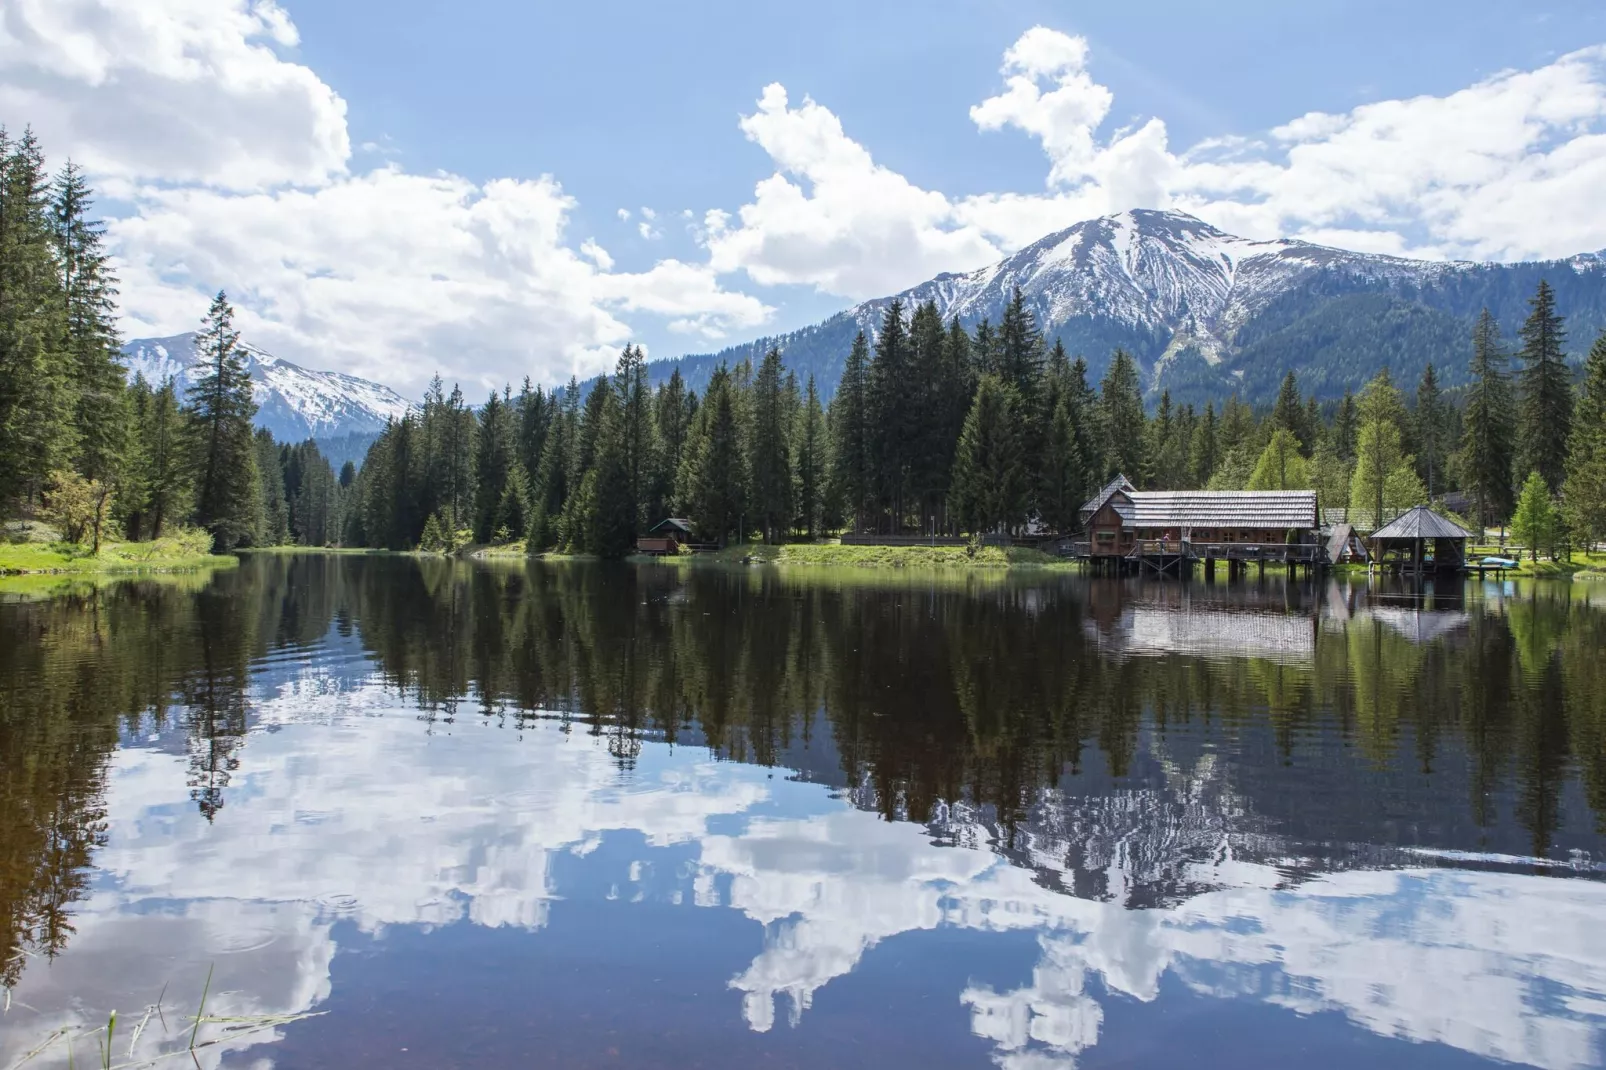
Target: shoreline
185, 552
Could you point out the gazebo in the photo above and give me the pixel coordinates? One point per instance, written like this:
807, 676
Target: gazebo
1420, 540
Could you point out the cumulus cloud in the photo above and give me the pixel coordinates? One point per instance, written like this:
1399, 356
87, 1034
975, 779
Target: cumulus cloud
831, 217
176, 90
236, 162
1503, 169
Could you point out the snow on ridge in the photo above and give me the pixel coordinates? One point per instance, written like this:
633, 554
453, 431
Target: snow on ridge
292, 401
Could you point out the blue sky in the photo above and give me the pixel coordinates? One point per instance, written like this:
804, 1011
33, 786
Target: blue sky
391, 188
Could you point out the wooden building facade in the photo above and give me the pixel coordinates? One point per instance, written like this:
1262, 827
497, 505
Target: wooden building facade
1169, 530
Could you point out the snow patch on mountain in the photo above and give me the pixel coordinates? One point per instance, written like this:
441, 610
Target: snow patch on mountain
293, 402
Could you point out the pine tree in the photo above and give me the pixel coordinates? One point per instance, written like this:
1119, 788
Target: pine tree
90, 344
273, 526
892, 416
1124, 424
769, 455
1431, 426
813, 449
162, 485
495, 465
36, 398
1488, 429
990, 478
637, 437
717, 475
1289, 414
1545, 415
613, 517
850, 430
1585, 489
674, 414
227, 493
1063, 484
1346, 428
1203, 453
550, 486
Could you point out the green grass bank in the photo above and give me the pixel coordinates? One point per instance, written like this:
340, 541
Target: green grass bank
182, 550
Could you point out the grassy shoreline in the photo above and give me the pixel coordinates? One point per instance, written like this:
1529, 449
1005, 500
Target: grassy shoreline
835, 555
181, 552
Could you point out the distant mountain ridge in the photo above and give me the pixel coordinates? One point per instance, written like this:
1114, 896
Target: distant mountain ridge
1208, 313
293, 402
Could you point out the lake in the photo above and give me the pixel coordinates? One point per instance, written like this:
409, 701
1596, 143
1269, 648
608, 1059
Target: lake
400, 812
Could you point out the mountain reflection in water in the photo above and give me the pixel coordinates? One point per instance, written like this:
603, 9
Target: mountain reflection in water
586, 815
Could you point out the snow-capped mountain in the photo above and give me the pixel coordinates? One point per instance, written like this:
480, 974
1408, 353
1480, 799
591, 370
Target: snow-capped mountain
1206, 312
293, 402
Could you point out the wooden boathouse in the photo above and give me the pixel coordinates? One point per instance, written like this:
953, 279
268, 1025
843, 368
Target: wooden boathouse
1168, 532
1420, 541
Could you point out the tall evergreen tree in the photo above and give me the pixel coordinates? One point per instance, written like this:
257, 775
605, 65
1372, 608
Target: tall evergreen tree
673, 419
892, 415
1488, 429
1346, 427
850, 430
613, 517
163, 480
36, 398
90, 344
1289, 413
1124, 424
1545, 415
227, 486
1203, 453
1584, 492
273, 527
637, 437
813, 449
1431, 424
990, 481
717, 476
496, 471
769, 457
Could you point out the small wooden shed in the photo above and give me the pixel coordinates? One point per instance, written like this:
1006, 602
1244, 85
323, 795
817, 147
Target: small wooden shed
665, 537
1420, 540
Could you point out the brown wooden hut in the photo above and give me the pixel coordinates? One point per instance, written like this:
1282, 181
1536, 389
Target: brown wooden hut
1420, 540
665, 538
1167, 530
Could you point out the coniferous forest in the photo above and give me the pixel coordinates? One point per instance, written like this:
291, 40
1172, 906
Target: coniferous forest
933, 429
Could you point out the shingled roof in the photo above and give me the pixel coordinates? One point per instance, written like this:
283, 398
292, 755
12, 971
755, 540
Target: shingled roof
1095, 503
1223, 509
1421, 523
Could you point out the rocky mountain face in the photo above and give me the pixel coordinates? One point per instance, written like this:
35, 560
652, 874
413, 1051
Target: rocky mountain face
293, 402
1207, 313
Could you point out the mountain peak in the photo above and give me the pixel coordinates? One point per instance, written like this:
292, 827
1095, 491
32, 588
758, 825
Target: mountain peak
293, 402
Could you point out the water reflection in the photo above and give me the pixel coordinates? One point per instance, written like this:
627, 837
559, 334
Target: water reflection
1312, 805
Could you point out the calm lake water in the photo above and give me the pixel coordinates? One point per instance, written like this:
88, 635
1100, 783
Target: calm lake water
476, 815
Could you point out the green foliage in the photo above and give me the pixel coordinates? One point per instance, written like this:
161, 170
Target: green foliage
1545, 412
1281, 467
1489, 428
770, 453
813, 463
1585, 489
990, 478
228, 495
1385, 480
1122, 420
716, 469
850, 434
1534, 522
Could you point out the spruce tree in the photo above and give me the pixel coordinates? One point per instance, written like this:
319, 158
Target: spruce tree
495, 467
769, 456
36, 400
850, 430
990, 478
1123, 422
1545, 414
1431, 424
1346, 427
717, 474
90, 344
1488, 428
1289, 414
892, 414
637, 436
613, 516
163, 481
1063, 485
812, 463
673, 418
1584, 492
1203, 452
227, 491
273, 526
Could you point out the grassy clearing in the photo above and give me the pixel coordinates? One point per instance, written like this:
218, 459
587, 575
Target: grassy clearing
1581, 564
186, 549
835, 555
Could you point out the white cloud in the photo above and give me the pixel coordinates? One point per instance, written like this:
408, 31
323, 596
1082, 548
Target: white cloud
848, 225
235, 161
177, 90
624, 215
648, 232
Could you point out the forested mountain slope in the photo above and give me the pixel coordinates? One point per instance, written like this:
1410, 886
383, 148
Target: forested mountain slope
1206, 313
